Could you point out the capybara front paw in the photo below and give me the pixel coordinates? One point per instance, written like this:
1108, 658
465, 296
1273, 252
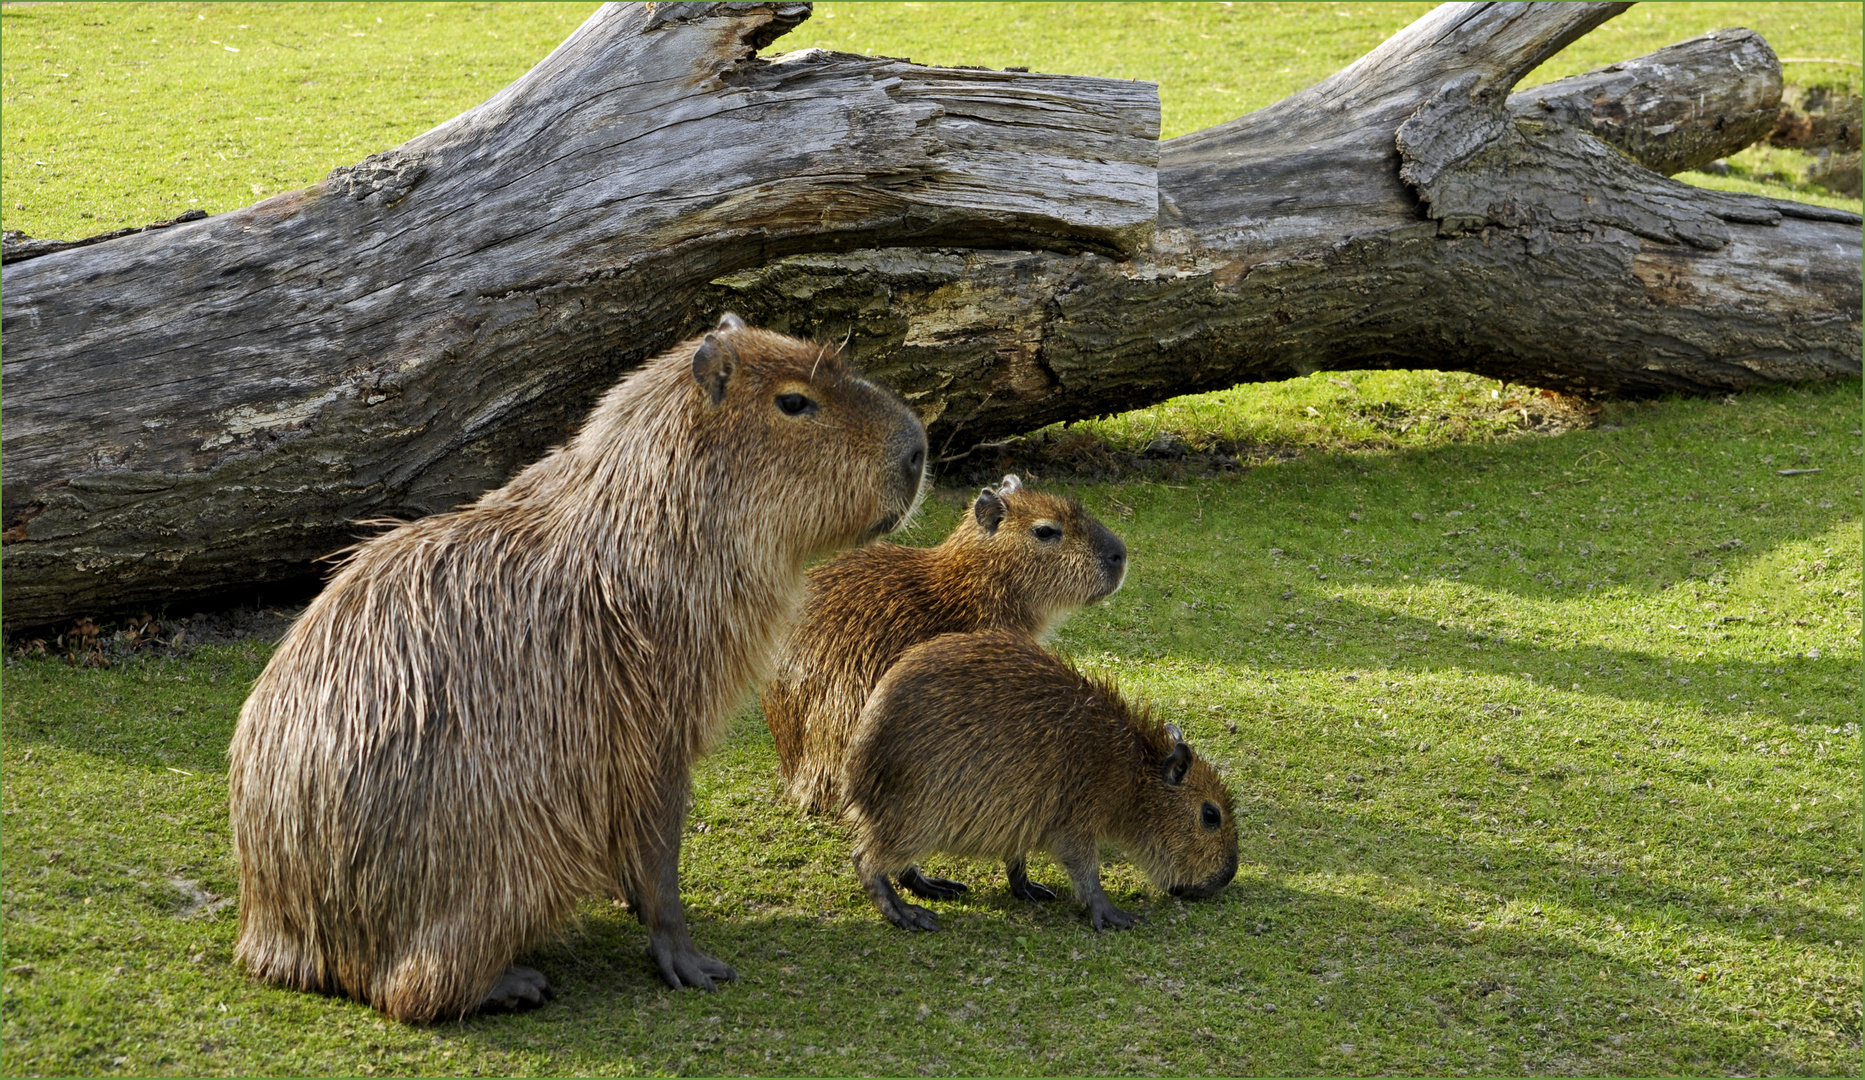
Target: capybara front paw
1031, 892
931, 888
684, 965
1109, 917
519, 989
911, 917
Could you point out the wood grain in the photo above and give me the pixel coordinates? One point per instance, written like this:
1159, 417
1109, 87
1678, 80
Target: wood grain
213, 403
1407, 212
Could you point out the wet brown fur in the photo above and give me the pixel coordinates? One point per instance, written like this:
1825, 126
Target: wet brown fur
989, 745
491, 713
868, 606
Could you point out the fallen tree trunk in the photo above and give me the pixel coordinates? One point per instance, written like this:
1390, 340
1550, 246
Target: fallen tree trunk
409, 333
213, 403
1402, 214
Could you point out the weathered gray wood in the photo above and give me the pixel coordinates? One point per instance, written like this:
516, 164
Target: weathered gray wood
1678, 108
1401, 213
404, 336
212, 404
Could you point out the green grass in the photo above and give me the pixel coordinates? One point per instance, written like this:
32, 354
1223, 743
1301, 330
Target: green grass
1546, 748
1339, 410
1546, 754
123, 114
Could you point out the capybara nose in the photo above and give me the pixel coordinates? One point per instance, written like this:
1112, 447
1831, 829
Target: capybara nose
912, 460
1114, 557
1209, 885
1113, 552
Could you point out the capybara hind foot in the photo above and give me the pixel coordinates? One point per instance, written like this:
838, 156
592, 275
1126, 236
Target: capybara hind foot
681, 964
931, 888
520, 989
1022, 887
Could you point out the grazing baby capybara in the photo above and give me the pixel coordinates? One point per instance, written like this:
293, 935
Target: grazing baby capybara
492, 713
989, 745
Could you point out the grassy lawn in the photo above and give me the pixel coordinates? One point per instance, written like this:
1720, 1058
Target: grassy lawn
1546, 751
1546, 746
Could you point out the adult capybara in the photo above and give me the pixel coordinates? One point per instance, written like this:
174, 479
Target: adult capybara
491, 713
989, 745
1018, 560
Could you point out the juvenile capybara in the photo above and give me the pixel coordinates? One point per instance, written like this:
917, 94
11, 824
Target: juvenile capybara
491, 713
1019, 560
989, 745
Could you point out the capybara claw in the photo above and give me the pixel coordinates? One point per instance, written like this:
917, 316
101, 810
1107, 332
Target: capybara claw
912, 917
1032, 892
688, 967
931, 888
519, 989
1112, 918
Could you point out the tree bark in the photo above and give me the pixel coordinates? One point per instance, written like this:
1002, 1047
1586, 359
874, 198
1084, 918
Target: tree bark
213, 403
1403, 213
1678, 108
209, 405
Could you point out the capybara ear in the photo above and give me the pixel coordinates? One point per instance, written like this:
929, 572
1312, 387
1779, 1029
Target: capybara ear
713, 364
1177, 764
1010, 485
729, 321
988, 510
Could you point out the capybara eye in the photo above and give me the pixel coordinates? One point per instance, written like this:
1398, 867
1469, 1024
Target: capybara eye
1211, 816
1048, 534
795, 404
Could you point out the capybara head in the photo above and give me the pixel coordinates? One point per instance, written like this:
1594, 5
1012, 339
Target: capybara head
1187, 836
783, 408
1044, 546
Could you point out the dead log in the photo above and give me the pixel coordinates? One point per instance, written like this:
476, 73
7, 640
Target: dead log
210, 404
1404, 213
213, 403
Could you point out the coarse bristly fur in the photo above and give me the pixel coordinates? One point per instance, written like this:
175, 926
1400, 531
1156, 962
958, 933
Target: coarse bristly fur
989, 745
1018, 560
491, 713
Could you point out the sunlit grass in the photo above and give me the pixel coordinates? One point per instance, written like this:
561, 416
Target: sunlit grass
1363, 409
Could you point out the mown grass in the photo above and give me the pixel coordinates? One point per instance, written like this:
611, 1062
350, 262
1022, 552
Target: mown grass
1342, 410
123, 114
1546, 752
1547, 747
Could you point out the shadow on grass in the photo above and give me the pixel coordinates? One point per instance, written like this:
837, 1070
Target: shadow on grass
1604, 884
1262, 979
1358, 984
1665, 494
1632, 676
